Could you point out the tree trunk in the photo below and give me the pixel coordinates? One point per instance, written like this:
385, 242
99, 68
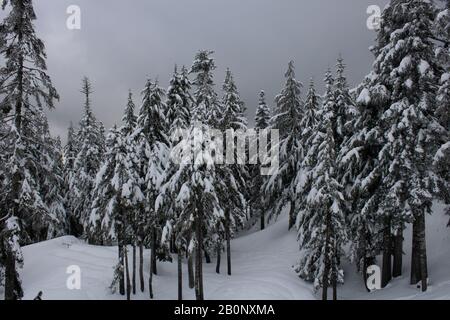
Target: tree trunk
334, 289
153, 255
207, 257
127, 272
198, 258
122, 264
191, 271
327, 261
263, 220
219, 249
228, 240
13, 290
141, 265
150, 279
292, 215
386, 273
421, 270
134, 269
180, 275
398, 254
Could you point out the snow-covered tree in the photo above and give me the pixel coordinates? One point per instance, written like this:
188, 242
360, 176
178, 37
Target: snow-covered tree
405, 70
287, 118
232, 188
153, 152
321, 222
179, 101
87, 163
206, 100
441, 161
256, 200
25, 89
195, 196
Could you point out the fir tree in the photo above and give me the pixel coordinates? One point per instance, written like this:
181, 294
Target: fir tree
25, 88
287, 118
405, 67
322, 231
87, 163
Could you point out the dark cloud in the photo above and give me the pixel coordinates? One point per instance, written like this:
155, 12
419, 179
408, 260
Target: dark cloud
123, 42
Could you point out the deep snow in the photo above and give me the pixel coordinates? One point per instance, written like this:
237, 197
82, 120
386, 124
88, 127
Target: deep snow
262, 269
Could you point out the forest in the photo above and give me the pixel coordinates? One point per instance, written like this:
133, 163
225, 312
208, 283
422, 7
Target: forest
357, 166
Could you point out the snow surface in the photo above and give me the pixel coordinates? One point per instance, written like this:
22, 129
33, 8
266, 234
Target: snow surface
262, 269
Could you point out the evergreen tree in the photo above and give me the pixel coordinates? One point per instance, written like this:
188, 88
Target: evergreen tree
322, 228
87, 163
287, 118
153, 151
441, 160
25, 88
262, 121
406, 69
232, 189
206, 101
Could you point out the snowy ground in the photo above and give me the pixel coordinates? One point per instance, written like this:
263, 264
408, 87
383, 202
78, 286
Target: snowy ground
262, 269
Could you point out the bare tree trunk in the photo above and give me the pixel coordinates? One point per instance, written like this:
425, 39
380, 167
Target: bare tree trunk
150, 279
127, 272
122, 264
292, 217
398, 254
415, 265
207, 257
134, 268
153, 255
219, 249
191, 271
327, 268
198, 259
386, 273
141, 265
180, 275
263, 220
419, 268
228, 240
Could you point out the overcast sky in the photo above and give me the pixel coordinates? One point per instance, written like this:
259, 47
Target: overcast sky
121, 43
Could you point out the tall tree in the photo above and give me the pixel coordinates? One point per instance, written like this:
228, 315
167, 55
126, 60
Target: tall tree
406, 68
322, 228
262, 122
87, 163
25, 88
287, 118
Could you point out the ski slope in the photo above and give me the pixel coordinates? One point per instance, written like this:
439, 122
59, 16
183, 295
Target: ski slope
262, 269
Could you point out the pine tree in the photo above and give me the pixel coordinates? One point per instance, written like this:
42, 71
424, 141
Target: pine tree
232, 188
441, 159
153, 151
287, 118
193, 190
405, 68
262, 122
206, 101
322, 231
87, 163
25, 88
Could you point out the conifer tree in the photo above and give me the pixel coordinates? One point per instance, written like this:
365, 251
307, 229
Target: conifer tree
26, 89
322, 231
287, 118
87, 163
262, 122
405, 68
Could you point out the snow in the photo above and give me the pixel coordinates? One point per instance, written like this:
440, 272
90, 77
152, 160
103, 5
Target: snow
262, 269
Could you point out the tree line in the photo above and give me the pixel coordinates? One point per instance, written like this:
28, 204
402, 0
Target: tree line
356, 165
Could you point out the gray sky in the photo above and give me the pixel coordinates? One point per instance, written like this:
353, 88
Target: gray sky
121, 43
